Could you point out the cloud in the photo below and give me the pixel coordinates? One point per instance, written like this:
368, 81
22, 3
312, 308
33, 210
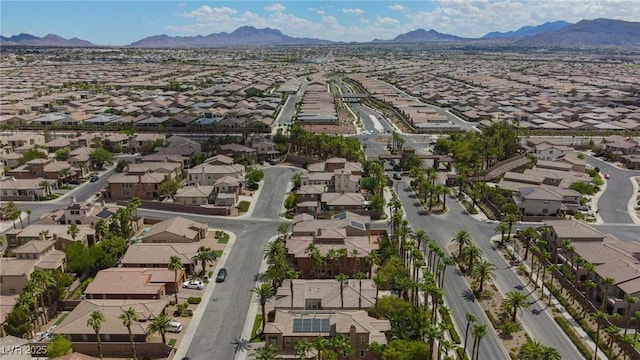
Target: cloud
386, 21
353, 11
275, 7
396, 7
181, 4
208, 13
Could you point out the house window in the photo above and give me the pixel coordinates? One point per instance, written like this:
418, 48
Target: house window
544, 211
361, 353
363, 338
273, 340
287, 342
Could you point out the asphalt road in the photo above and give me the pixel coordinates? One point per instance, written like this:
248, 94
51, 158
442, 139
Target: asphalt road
440, 228
613, 201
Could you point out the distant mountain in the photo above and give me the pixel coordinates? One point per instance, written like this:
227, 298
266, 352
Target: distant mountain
243, 36
528, 30
421, 35
598, 32
48, 40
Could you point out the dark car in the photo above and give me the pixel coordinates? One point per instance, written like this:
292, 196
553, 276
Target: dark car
75, 182
222, 274
397, 176
94, 178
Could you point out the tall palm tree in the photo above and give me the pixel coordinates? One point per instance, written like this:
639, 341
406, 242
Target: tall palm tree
528, 233
598, 317
96, 318
514, 301
28, 211
101, 229
462, 238
612, 331
630, 301
483, 271
73, 230
420, 237
471, 318
204, 257
478, 332
283, 230
605, 293
264, 291
320, 344
46, 185
342, 279
43, 281
128, 317
133, 206
317, 260
175, 264
510, 219
160, 325
502, 228
292, 275
471, 253
359, 276
636, 316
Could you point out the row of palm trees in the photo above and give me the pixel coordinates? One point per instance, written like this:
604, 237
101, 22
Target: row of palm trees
470, 259
541, 263
31, 303
425, 186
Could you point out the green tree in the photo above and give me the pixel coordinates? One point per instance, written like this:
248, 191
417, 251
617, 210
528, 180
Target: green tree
204, 256
462, 238
471, 318
514, 301
264, 291
121, 165
100, 156
342, 279
175, 264
302, 349
290, 201
406, 350
483, 271
160, 325
101, 227
18, 322
12, 212
478, 332
58, 346
169, 188
631, 300
62, 154
46, 186
253, 176
96, 318
32, 154
129, 317
360, 276
607, 282
534, 350
120, 223
73, 230
79, 260
267, 352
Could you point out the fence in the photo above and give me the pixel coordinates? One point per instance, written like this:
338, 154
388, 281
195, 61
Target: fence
200, 210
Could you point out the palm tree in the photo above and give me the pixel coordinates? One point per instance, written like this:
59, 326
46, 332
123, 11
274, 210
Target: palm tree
471, 253
359, 276
478, 332
96, 318
28, 211
510, 219
612, 331
605, 293
482, 272
204, 257
267, 352
43, 281
502, 228
534, 350
471, 318
292, 275
342, 279
101, 229
317, 260
133, 206
46, 185
128, 317
175, 264
320, 344
636, 316
528, 234
73, 230
302, 349
462, 238
514, 301
159, 325
630, 301
264, 291
283, 230
598, 317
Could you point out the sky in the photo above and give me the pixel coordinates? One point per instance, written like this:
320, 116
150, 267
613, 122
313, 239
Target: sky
119, 22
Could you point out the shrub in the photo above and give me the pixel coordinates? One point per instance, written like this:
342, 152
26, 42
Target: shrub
573, 336
194, 300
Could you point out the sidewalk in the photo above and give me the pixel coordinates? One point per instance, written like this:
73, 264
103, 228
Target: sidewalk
555, 304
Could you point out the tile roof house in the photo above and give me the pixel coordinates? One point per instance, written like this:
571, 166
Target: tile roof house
158, 255
545, 200
131, 283
81, 213
206, 174
324, 295
12, 189
195, 195
238, 151
112, 333
18, 237
176, 230
289, 327
33, 256
145, 187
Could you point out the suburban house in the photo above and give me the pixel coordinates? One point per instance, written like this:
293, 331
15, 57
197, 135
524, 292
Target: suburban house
238, 151
172, 170
142, 141
56, 172
206, 174
545, 200
81, 213
266, 149
339, 201
158, 255
33, 256
345, 239
113, 335
125, 187
289, 327
324, 295
613, 259
195, 195
219, 160
42, 232
547, 151
176, 230
117, 143
13, 189
132, 283
620, 145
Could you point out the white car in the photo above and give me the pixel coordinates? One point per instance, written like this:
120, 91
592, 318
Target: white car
193, 284
174, 327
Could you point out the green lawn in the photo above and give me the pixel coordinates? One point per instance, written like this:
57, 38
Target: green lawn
243, 206
224, 238
172, 342
256, 326
61, 318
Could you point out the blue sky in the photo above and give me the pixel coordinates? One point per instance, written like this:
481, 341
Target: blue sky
119, 22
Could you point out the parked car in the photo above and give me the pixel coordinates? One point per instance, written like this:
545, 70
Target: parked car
174, 327
193, 284
273, 162
75, 182
583, 208
94, 178
222, 274
397, 176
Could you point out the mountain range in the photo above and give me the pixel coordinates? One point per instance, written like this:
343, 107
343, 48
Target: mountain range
594, 33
